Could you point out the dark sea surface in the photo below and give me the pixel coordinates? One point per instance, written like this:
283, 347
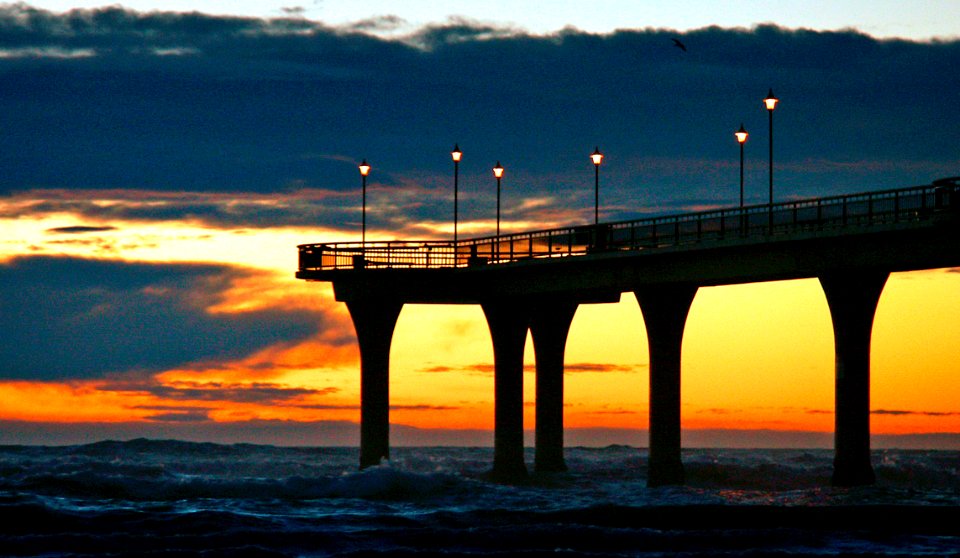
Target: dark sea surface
167, 498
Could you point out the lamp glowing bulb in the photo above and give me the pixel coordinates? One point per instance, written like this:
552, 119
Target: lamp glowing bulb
596, 156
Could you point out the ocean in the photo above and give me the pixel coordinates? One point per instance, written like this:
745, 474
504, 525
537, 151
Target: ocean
170, 498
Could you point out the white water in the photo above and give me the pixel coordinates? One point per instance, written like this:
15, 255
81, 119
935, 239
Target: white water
172, 498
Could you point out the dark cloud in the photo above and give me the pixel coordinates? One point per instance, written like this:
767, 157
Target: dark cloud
716, 411
181, 416
256, 392
302, 208
63, 318
334, 407
602, 367
112, 98
171, 408
294, 11
330, 407
80, 229
379, 24
569, 368
892, 412
423, 408
899, 412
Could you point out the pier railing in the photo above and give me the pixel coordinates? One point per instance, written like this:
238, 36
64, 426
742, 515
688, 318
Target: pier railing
752, 223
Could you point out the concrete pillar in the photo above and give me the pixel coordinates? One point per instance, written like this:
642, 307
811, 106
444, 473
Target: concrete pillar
508, 329
853, 301
665, 311
549, 326
374, 321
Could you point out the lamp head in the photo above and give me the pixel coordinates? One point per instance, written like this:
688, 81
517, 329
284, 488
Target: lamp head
770, 101
498, 170
364, 168
596, 156
456, 153
741, 135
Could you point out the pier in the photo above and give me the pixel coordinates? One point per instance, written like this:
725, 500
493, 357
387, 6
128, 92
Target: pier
534, 281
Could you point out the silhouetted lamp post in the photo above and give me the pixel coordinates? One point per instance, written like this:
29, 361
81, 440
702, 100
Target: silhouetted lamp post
456, 154
771, 102
364, 171
741, 135
596, 157
498, 173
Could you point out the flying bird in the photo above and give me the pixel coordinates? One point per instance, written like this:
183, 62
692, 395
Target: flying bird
678, 44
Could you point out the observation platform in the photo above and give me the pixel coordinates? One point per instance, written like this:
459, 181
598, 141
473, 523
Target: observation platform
535, 281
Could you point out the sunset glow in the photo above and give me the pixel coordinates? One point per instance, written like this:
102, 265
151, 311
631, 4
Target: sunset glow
757, 356
149, 233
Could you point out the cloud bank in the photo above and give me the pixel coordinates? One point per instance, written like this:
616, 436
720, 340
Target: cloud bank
70, 318
113, 98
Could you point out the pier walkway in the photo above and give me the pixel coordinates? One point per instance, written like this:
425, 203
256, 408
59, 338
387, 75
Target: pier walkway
536, 280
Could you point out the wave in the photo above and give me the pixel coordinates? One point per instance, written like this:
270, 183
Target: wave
165, 470
172, 498
595, 531
139, 483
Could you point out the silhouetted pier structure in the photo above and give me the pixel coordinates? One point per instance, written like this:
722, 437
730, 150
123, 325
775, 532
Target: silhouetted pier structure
536, 280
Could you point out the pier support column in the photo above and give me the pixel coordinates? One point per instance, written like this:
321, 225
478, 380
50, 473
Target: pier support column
374, 322
853, 301
665, 311
549, 326
508, 328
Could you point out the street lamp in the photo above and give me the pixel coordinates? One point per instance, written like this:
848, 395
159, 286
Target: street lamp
498, 173
364, 171
597, 157
741, 135
771, 102
456, 154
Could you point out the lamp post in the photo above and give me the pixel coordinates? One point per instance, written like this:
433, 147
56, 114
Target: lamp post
456, 154
364, 171
597, 157
498, 173
741, 135
771, 102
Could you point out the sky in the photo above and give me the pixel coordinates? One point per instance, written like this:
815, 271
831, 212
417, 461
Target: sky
162, 161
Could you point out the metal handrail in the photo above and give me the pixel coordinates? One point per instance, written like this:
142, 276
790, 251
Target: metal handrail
652, 233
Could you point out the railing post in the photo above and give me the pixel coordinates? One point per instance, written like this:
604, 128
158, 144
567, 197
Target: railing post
896, 206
